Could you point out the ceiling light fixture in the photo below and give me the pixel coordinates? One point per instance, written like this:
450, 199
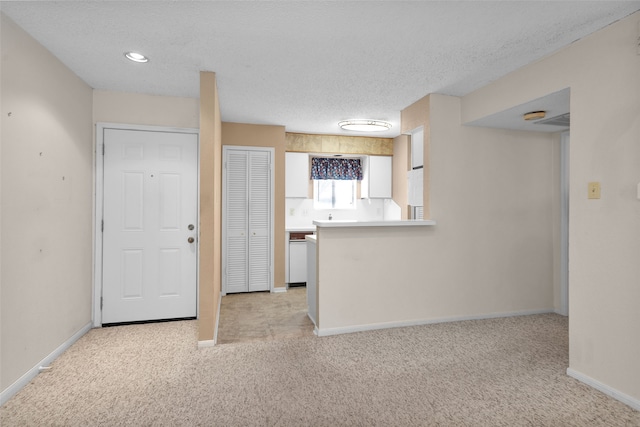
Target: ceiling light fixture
136, 57
364, 125
534, 115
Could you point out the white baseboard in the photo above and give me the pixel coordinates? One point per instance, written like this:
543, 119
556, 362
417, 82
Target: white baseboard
609, 391
206, 343
279, 290
209, 343
323, 332
10, 391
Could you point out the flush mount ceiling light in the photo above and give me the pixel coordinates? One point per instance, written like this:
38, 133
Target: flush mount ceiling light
364, 125
534, 115
136, 57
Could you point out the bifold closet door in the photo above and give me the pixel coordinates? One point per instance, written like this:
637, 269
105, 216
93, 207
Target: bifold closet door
247, 220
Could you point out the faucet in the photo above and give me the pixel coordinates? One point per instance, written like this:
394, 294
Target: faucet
330, 217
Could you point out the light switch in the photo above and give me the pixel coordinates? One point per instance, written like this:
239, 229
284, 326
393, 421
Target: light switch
594, 190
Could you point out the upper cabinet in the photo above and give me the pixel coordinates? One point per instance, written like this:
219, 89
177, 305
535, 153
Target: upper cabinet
377, 177
417, 148
415, 187
296, 175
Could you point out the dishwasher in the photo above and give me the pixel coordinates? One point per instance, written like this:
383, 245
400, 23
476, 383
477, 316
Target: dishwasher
298, 258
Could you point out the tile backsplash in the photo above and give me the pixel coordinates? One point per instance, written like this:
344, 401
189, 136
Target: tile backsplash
300, 212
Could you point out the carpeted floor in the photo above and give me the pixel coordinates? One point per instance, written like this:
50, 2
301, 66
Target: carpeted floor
498, 372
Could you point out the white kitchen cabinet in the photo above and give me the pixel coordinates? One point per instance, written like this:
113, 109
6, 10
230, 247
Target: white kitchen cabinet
417, 148
297, 261
247, 199
415, 185
377, 177
296, 175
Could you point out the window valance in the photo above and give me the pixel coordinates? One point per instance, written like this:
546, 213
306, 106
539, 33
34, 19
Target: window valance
339, 169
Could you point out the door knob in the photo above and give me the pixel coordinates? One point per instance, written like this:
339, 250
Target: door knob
190, 240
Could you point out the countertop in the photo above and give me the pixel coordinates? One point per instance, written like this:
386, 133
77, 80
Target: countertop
393, 223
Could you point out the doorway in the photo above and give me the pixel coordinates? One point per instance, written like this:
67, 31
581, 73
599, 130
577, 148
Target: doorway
146, 224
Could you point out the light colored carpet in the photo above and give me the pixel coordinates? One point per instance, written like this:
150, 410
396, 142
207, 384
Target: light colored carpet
499, 372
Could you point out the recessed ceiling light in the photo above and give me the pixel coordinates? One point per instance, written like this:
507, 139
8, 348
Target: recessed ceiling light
136, 57
534, 115
364, 125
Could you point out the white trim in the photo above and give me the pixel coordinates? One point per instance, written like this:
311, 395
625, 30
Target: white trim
206, 343
564, 223
96, 312
14, 388
609, 391
215, 333
98, 173
279, 290
323, 332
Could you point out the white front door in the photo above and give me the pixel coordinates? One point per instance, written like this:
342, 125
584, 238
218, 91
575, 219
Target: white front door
149, 259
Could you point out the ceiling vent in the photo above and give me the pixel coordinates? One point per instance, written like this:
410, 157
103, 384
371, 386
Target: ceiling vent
561, 120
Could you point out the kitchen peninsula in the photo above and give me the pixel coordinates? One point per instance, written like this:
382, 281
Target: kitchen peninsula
363, 274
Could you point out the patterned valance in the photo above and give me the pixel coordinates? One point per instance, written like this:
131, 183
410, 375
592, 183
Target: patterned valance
332, 168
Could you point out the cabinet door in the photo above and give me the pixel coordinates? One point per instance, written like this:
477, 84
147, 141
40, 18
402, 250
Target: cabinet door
296, 175
378, 175
417, 148
415, 184
298, 261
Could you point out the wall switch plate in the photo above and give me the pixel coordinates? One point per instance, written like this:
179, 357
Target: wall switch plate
594, 190
639, 191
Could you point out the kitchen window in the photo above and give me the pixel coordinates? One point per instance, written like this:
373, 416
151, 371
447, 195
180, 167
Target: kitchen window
334, 182
334, 194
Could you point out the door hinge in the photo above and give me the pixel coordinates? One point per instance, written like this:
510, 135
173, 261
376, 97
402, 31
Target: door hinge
103, 149
101, 302
102, 226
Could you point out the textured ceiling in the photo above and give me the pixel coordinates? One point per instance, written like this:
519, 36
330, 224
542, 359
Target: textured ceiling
308, 64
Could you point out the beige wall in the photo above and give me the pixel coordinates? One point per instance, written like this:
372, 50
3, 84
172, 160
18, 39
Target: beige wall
210, 240
150, 110
490, 252
604, 273
266, 136
47, 179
